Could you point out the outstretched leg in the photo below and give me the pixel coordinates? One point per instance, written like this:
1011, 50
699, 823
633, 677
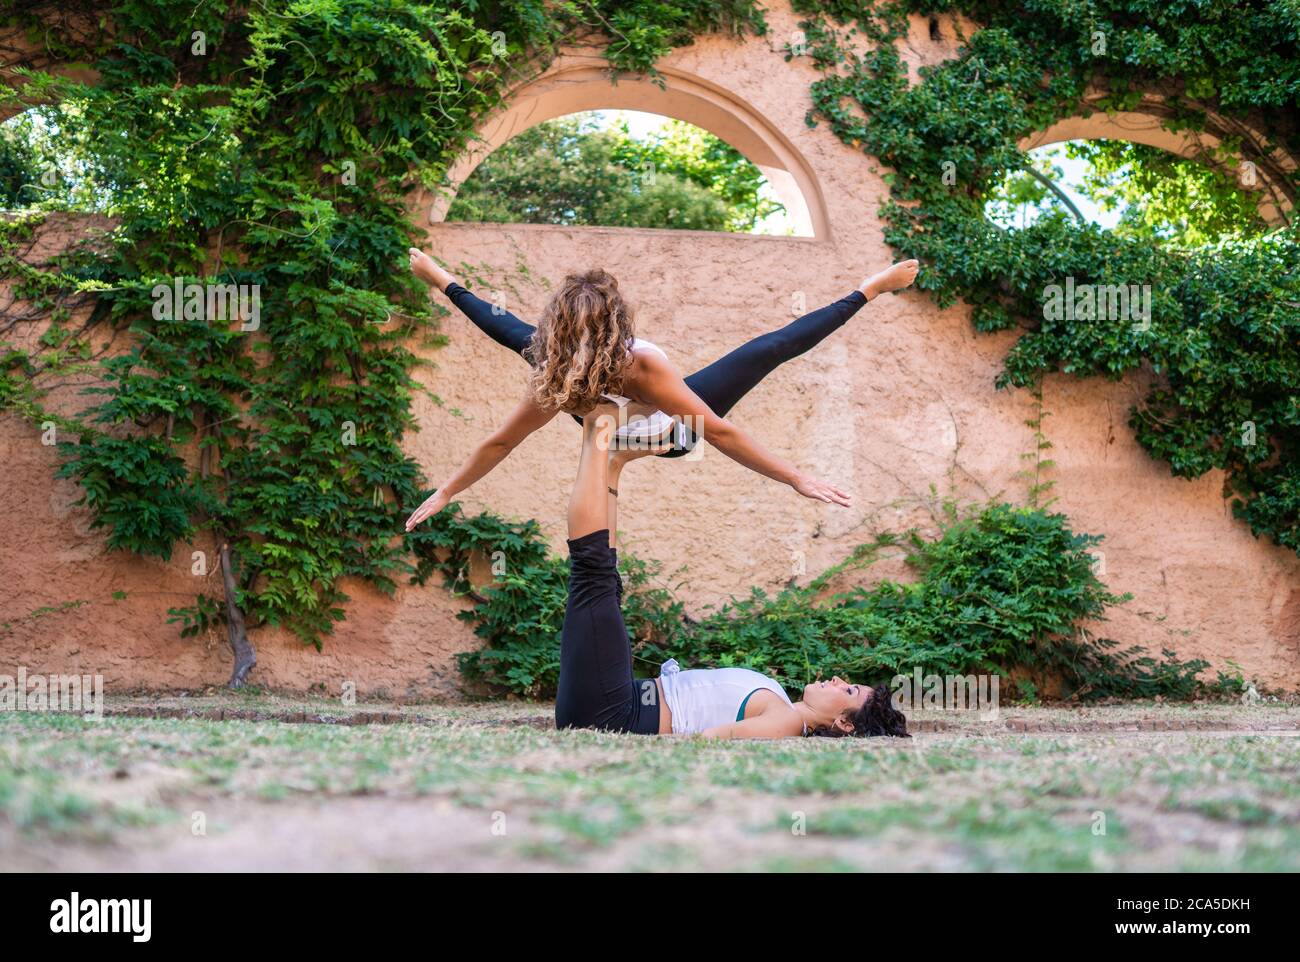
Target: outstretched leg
492, 319
727, 380
730, 378
722, 383
619, 459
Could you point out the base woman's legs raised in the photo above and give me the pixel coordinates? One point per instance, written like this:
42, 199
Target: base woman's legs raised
597, 688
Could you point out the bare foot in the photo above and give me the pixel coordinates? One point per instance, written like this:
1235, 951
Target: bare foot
893, 278
620, 456
426, 268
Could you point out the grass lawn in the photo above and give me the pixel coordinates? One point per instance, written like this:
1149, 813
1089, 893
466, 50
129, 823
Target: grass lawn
494, 787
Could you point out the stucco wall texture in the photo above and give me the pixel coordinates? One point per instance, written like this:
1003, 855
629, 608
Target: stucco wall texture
898, 402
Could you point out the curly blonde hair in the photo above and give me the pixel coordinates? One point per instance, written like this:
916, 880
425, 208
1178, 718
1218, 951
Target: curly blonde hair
583, 344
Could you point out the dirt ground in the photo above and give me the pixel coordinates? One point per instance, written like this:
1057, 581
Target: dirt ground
267, 783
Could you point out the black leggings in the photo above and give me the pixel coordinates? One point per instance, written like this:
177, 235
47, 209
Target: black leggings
597, 689
722, 383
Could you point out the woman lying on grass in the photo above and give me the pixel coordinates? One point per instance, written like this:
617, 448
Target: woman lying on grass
597, 689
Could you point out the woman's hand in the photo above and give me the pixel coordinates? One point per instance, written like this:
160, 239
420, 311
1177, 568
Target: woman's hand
432, 505
810, 487
526, 418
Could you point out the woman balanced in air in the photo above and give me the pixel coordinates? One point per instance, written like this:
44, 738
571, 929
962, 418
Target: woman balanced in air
585, 352
597, 688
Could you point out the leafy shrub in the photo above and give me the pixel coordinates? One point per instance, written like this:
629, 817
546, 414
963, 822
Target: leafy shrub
996, 589
1099, 671
1000, 588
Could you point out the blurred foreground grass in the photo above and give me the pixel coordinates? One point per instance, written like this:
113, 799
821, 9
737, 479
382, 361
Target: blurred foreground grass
493, 787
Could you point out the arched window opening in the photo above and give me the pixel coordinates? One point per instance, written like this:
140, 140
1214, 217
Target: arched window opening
1135, 190
623, 168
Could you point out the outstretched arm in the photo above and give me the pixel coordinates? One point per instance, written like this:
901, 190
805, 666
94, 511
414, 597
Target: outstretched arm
660, 384
523, 421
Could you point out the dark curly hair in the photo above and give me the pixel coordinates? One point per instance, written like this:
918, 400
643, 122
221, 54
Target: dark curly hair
877, 716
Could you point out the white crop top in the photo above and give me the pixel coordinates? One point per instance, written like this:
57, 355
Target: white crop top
701, 698
641, 421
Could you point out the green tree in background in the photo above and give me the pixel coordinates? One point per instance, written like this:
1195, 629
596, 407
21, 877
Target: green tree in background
19, 167
47, 161
1165, 196
1158, 195
686, 151
1022, 194
568, 171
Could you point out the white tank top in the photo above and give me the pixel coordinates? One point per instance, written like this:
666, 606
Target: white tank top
701, 698
641, 421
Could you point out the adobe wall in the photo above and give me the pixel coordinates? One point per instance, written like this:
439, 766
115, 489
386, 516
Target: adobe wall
900, 400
